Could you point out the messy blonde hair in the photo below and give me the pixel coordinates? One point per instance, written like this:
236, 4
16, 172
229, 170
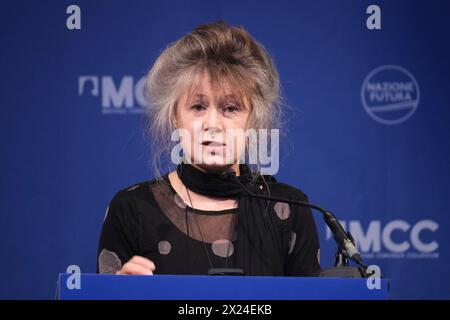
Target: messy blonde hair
227, 54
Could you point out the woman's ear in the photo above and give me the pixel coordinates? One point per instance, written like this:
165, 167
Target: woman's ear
173, 118
174, 122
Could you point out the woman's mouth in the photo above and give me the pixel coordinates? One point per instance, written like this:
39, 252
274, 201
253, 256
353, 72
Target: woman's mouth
213, 146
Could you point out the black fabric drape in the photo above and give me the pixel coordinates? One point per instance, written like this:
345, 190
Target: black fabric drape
259, 246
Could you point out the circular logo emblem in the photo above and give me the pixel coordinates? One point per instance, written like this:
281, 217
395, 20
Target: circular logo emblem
390, 94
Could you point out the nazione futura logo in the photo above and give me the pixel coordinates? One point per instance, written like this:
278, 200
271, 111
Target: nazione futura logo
390, 94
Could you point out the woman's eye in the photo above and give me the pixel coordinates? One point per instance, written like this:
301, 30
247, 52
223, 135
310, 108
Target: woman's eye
198, 107
230, 108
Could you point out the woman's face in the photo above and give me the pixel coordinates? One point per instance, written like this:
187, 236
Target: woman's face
212, 122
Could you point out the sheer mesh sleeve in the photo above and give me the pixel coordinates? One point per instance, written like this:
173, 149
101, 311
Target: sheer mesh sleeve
119, 236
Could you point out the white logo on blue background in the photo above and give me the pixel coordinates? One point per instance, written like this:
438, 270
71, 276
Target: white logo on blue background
117, 97
390, 94
394, 239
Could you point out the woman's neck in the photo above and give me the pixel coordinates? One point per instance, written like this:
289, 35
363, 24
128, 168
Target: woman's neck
235, 167
199, 201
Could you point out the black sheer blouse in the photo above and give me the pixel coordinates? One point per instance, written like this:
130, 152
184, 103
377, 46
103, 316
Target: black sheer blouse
150, 219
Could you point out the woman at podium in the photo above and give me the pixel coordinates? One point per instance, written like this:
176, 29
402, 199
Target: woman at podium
214, 98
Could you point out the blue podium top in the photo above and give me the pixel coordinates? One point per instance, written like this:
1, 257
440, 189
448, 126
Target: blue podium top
173, 287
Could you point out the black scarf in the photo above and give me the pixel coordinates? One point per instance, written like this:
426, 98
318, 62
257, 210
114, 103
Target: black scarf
259, 245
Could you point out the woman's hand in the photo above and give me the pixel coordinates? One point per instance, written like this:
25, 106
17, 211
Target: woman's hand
138, 266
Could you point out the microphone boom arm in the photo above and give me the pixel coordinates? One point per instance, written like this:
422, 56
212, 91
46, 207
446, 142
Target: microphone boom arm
342, 237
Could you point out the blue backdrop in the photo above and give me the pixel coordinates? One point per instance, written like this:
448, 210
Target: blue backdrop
368, 135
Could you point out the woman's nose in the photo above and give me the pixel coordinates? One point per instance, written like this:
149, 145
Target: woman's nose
212, 119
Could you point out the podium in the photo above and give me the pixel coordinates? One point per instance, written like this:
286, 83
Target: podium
175, 287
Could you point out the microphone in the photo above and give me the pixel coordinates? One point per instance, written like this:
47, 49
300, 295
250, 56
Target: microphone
344, 239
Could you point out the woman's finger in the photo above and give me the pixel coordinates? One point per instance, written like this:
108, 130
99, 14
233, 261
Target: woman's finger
132, 268
147, 263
